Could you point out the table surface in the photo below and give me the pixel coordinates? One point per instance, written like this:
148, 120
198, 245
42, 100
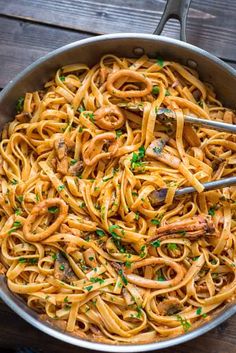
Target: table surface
31, 28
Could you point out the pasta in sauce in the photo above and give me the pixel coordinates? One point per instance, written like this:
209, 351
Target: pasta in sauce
82, 238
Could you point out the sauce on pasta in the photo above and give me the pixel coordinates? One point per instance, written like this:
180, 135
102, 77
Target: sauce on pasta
82, 238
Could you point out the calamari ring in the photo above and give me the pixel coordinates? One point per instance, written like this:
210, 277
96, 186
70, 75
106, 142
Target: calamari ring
149, 283
109, 118
131, 93
102, 138
39, 210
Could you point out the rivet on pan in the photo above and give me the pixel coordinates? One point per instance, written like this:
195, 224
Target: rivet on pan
192, 63
138, 51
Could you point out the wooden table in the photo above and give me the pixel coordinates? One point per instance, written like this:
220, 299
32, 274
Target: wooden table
31, 28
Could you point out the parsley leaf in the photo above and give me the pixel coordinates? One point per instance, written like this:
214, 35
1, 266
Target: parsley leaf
100, 232
155, 90
184, 323
211, 210
53, 209
155, 221
160, 62
156, 243
172, 246
62, 78
20, 105
61, 187
118, 133
124, 279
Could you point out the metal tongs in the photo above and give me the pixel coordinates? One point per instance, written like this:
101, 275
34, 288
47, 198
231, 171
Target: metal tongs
168, 115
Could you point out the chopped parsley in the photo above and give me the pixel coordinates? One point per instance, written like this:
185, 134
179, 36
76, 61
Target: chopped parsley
184, 323
96, 280
91, 258
14, 182
155, 221
118, 133
66, 300
62, 78
22, 260
100, 232
53, 209
81, 109
172, 246
134, 193
16, 225
136, 216
127, 264
37, 197
18, 211
160, 62
89, 288
54, 256
20, 105
90, 116
73, 161
136, 160
182, 232
195, 258
124, 279
81, 129
61, 187
20, 198
139, 312
143, 251
211, 210
167, 93
106, 179
156, 243
199, 311
62, 267
155, 90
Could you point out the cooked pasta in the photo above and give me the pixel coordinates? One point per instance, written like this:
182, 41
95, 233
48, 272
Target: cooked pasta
82, 238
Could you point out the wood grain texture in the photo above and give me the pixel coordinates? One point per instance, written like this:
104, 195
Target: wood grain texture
211, 23
220, 340
22, 42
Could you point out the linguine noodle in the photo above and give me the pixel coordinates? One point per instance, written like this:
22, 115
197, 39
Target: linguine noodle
82, 238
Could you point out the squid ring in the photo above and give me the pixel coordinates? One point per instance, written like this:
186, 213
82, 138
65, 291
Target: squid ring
131, 93
109, 118
149, 283
99, 140
39, 210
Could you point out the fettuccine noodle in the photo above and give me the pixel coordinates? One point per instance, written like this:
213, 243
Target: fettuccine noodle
82, 238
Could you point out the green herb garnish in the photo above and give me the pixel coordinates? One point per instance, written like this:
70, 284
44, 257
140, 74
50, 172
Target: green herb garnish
185, 324
96, 280
118, 133
156, 243
155, 221
172, 246
124, 279
61, 187
20, 105
199, 311
155, 90
89, 288
160, 62
62, 267
100, 232
73, 161
211, 210
53, 209
62, 78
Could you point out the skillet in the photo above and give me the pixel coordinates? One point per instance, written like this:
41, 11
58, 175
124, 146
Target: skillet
210, 68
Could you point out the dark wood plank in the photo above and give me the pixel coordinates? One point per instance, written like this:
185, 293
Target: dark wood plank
211, 24
23, 42
219, 340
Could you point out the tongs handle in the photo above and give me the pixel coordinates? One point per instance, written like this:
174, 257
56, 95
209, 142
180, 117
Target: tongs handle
177, 9
160, 195
218, 125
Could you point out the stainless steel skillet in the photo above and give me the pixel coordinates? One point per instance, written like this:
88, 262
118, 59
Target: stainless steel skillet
89, 51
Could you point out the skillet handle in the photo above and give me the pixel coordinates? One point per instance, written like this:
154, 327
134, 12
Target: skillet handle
177, 9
